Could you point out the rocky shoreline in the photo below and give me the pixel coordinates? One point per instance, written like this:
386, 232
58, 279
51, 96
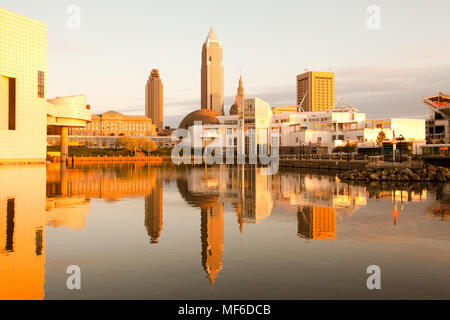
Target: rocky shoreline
424, 173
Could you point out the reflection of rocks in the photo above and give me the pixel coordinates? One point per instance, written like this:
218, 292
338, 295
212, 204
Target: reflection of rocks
424, 174
442, 212
374, 188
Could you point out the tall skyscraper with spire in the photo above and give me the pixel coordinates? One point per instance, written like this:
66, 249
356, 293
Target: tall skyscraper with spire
212, 73
154, 99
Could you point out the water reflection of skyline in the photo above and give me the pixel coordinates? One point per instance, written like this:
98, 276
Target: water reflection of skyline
33, 198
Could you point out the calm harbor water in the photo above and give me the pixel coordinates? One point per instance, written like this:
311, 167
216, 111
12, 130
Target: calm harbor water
140, 232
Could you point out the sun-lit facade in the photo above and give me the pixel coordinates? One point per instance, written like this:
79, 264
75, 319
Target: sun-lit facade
324, 129
112, 123
154, 99
212, 94
315, 91
23, 79
24, 109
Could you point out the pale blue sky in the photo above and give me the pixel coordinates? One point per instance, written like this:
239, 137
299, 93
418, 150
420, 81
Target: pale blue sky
382, 72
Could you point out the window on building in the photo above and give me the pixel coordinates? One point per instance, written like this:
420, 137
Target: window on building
10, 213
12, 104
39, 241
41, 86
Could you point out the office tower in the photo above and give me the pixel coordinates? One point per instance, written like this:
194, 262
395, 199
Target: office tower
154, 99
315, 91
212, 73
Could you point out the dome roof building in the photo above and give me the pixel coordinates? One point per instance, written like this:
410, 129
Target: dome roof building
204, 115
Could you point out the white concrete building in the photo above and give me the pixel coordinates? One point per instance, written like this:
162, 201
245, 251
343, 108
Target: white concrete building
326, 129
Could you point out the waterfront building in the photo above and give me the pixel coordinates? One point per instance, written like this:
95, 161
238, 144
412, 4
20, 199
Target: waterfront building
113, 123
319, 129
154, 100
209, 126
315, 91
212, 93
438, 123
25, 112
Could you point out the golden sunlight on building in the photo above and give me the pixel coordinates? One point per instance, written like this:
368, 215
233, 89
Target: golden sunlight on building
25, 211
212, 226
317, 223
212, 96
113, 123
110, 185
24, 110
154, 99
22, 232
154, 212
315, 91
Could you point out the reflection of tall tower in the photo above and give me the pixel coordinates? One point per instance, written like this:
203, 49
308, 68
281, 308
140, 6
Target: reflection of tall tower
212, 240
154, 213
317, 223
212, 73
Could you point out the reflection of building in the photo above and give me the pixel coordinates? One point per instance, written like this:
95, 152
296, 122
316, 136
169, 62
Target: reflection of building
212, 73
317, 223
212, 240
154, 100
24, 214
113, 123
24, 110
154, 212
111, 184
316, 91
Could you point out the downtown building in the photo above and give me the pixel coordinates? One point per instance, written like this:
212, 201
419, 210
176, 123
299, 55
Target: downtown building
212, 93
292, 130
25, 112
113, 123
315, 91
154, 100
